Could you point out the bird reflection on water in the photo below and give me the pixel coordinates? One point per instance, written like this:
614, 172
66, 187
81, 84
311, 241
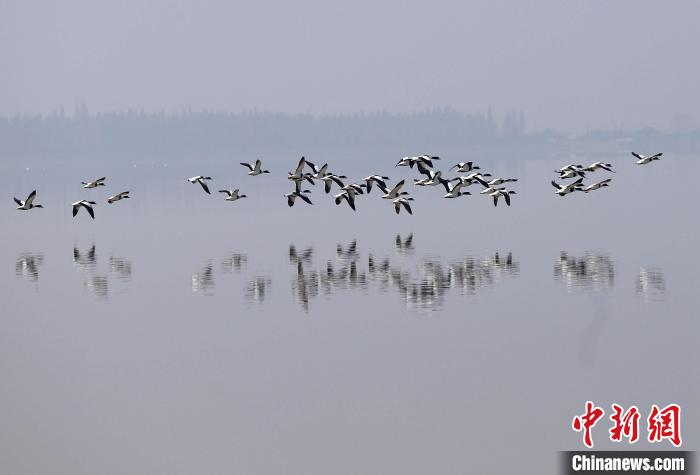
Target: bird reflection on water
120, 267
422, 285
258, 289
591, 271
28, 264
203, 280
234, 262
98, 284
427, 290
404, 246
651, 283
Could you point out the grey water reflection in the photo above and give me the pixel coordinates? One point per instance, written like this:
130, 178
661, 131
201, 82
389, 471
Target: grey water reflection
595, 275
651, 283
85, 260
591, 271
307, 283
234, 262
120, 267
258, 289
97, 282
404, 246
473, 274
203, 280
421, 285
427, 289
28, 264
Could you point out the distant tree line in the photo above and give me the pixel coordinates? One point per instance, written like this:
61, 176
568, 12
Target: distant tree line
217, 133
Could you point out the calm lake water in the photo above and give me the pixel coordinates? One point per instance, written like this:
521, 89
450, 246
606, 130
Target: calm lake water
178, 333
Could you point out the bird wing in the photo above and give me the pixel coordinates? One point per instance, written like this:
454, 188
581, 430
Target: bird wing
338, 181
75, 209
250, 167
89, 210
30, 198
397, 187
507, 197
555, 185
204, 185
228, 192
100, 180
407, 206
305, 198
328, 186
19, 203
424, 170
300, 166
290, 200
397, 207
313, 167
258, 165
641, 157
655, 157
481, 181
495, 200
446, 184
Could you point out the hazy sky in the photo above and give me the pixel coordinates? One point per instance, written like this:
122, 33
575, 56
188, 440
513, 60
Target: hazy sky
567, 64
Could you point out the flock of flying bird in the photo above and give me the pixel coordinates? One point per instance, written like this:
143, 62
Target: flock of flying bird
306, 171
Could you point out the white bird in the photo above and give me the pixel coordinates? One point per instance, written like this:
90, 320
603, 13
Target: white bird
232, 195
490, 189
502, 192
500, 181
378, 179
298, 174
330, 178
471, 179
94, 184
402, 201
85, 204
433, 179
571, 173
410, 161
456, 191
297, 193
255, 170
346, 195
566, 189
318, 173
465, 167
599, 165
28, 203
568, 167
200, 179
595, 186
643, 159
394, 192
118, 196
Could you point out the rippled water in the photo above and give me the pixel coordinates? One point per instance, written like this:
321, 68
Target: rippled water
179, 333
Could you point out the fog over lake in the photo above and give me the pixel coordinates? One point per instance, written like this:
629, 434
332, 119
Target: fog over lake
178, 332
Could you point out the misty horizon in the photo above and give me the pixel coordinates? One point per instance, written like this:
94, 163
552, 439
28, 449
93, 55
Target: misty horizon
569, 67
